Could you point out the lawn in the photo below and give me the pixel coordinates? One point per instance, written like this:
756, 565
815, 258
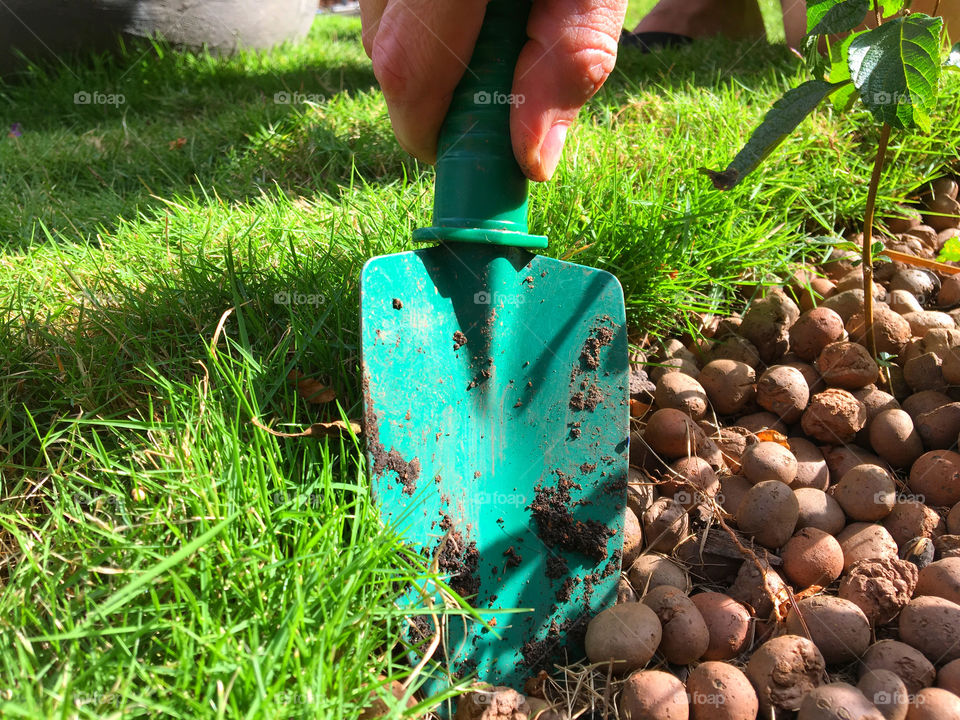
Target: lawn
172, 262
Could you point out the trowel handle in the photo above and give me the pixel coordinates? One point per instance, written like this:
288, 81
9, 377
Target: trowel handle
481, 193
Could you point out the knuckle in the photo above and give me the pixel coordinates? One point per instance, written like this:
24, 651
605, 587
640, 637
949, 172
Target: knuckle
391, 64
589, 54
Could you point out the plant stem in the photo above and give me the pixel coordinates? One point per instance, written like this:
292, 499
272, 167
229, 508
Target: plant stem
867, 263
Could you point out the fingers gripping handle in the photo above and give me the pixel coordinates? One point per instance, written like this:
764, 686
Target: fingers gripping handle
481, 193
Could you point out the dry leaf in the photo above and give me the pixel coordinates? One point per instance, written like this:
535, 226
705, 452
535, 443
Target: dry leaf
337, 428
768, 435
178, 143
313, 391
638, 409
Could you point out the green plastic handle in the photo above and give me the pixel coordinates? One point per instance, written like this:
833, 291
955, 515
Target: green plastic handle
481, 193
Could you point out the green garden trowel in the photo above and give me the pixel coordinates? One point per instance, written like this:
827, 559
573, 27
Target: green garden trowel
496, 399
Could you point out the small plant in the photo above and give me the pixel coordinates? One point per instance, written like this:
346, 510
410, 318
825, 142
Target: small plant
894, 69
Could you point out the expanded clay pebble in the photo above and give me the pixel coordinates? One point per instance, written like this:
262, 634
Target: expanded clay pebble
654, 695
685, 635
729, 385
728, 622
783, 670
833, 416
814, 330
881, 588
847, 365
625, 635
768, 461
932, 626
720, 691
837, 627
837, 701
783, 390
769, 513
812, 557
899, 658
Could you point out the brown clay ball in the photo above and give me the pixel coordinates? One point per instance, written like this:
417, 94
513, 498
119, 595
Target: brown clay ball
664, 524
866, 493
654, 695
690, 481
948, 678
729, 624
720, 691
733, 488
837, 701
865, 541
934, 704
681, 392
905, 662
891, 331
766, 324
783, 670
935, 478
940, 579
729, 385
768, 461
685, 637
939, 427
894, 438
880, 587
783, 391
812, 470
652, 570
932, 625
833, 417
673, 434
769, 513
814, 330
911, 519
847, 365
812, 557
819, 510
837, 627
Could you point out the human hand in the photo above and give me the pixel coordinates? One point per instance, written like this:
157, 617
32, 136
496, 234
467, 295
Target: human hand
420, 50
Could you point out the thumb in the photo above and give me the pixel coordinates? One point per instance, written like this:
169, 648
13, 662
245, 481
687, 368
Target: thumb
571, 51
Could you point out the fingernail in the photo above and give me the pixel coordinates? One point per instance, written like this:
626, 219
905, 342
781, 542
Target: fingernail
552, 148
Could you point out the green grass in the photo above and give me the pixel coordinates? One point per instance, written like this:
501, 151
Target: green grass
162, 556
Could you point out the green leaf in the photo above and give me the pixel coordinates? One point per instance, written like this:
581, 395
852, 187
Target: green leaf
891, 7
950, 251
839, 67
896, 68
817, 63
844, 98
781, 120
826, 17
953, 59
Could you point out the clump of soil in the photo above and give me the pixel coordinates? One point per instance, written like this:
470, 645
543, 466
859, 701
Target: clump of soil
407, 471
559, 529
587, 400
459, 559
590, 356
459, 340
